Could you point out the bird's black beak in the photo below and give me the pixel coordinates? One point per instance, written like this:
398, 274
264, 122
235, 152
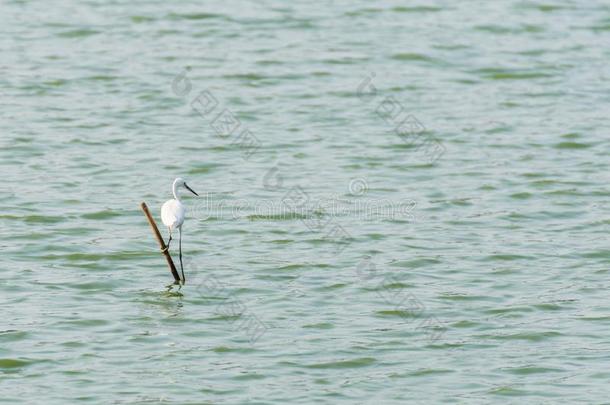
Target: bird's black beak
190, 189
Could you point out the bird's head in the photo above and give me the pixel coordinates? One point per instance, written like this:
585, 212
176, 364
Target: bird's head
180, 182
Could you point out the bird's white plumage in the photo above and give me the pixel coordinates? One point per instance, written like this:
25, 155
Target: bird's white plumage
172, 214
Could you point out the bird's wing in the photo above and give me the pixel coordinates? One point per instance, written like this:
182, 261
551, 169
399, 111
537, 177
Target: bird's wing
172, 214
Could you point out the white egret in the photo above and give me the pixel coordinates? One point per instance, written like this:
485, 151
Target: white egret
172, 215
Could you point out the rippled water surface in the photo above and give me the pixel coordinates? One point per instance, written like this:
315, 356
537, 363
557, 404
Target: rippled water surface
401, 202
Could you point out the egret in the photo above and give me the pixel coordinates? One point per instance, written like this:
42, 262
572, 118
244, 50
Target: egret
172, 215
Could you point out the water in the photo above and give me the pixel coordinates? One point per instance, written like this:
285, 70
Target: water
337, 254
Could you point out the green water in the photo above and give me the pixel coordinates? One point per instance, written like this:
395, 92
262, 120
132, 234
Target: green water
400, 202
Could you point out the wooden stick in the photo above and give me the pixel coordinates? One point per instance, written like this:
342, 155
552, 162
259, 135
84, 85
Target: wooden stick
164, 249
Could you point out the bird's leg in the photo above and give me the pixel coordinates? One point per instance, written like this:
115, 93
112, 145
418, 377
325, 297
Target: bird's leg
180, 250
168, 242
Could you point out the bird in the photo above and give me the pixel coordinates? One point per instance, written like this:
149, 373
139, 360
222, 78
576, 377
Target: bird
172, 215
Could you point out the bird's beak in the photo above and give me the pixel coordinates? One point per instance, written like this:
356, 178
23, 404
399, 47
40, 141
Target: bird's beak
191, 190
